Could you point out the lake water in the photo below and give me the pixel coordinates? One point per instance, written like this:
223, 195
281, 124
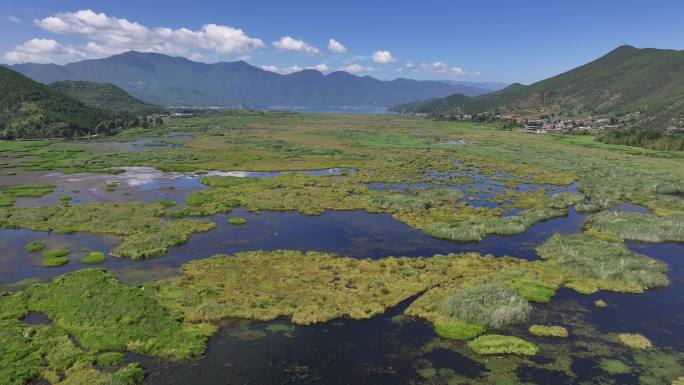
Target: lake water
388, 349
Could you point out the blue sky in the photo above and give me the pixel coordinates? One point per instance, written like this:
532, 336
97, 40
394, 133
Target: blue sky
490, 40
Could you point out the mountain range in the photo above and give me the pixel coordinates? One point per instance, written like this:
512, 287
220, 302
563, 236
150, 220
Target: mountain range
177, 81
642, 88
105, 96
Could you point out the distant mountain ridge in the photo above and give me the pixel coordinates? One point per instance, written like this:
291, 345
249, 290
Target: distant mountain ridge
642, 88
165, 80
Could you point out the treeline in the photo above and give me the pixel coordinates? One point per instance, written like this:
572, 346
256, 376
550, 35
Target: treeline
655, 140
109, 125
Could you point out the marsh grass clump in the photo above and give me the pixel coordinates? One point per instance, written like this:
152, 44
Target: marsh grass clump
635, 341
94, 258
548, 331
492, 305
610, 265
599, 303
499, 344
9, 194
34, 246
130, 374
565, 199
237, 221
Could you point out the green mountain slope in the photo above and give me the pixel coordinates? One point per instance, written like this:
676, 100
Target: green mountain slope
643, 87
105, 96
30, 109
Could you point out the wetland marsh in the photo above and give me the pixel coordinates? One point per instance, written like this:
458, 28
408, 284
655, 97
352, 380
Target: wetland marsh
371, 249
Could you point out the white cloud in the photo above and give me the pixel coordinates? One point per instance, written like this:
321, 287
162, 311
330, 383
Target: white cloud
286, 43
383, 57
44, 51
336, 47
357, 68
110, 35
294, 68
436, 67
14, 19
439, 67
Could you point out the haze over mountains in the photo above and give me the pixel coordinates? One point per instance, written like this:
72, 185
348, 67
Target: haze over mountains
177, 81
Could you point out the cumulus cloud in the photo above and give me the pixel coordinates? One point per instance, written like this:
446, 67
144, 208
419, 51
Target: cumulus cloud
336, 47
383, 57
357, 68
294, 68
44, 51
287, 43
110, 35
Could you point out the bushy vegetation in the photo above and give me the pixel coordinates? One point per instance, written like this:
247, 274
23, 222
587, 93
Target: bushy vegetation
110, 358
105, 96
498, 344
492, 305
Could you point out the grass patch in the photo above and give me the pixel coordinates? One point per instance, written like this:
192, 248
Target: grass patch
548, 331
110, 359
599, 303
34, 246
94, 258
492, 305
237, 221
498, 344
635, 341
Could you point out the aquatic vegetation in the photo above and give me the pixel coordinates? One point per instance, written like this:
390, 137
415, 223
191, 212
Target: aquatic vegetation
286, 330
237, 221
34, 246
492, 305
635, 341
94, 258
600, 303
638, 227
614, 366
128, 375
305, 287
104, 315
565, 199
602, 265
142, 228
499, 344
56, 253
110, 358
9, 194
548, 331
55, 261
